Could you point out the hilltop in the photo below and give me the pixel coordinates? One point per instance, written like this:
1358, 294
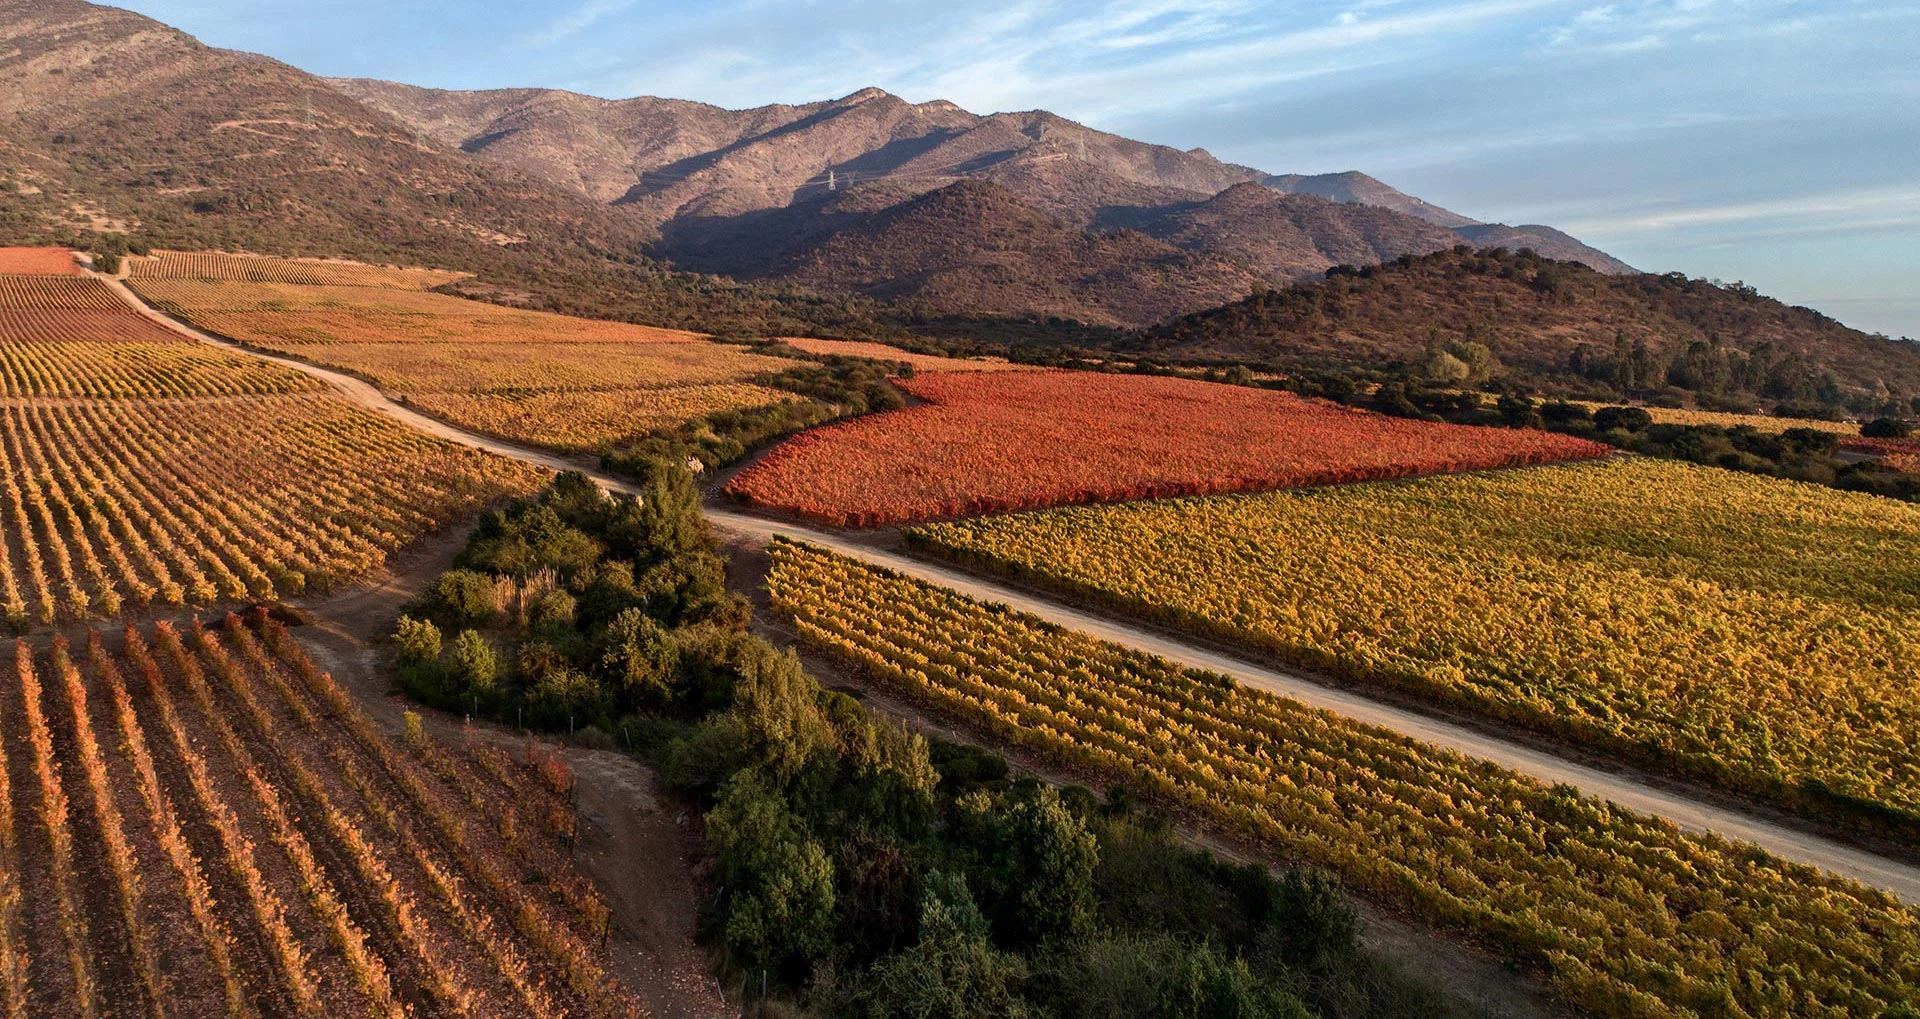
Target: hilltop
1549, 318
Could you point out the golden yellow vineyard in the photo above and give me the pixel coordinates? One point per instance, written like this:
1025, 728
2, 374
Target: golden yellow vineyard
1749, 631
551, 380
1630, 916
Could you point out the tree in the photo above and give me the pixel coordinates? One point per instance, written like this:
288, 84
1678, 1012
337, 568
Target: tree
1037, 863
1207, 985
467, 597
1560, 412
776, 880
1518, 411
953, 973
419, 641
1441, 366
637, 654
777, 707
474, 663
1629, 419
1886, 428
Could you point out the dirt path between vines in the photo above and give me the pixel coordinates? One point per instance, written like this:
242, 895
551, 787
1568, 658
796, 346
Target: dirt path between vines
1628, 790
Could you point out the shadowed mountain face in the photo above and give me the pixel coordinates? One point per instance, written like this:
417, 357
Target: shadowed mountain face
736, 191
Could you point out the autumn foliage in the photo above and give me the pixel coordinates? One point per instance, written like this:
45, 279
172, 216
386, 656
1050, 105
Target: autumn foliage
38, 262
219, 830
998, 442
1625, 915
1744, 631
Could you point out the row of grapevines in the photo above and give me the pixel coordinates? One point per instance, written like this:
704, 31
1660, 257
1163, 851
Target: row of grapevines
992, 442
305, 883
213, 265
1631, 916
1747, 631
135, 503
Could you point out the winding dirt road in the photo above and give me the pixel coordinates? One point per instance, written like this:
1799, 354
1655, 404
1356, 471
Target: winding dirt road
1901, 879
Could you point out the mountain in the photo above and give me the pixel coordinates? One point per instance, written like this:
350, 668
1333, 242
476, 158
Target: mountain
972, 248
1285, 236
108, 118
713, 183
114, 123
1549, 318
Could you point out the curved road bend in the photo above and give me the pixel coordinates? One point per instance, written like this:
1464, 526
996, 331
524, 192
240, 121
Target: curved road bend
1868, 868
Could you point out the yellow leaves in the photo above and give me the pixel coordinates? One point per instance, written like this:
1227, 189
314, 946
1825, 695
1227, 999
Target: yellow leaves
1629, 604
1552, 877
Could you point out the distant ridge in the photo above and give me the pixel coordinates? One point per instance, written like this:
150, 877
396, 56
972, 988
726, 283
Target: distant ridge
730, 191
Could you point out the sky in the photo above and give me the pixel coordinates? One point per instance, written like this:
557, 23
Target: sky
1771, 141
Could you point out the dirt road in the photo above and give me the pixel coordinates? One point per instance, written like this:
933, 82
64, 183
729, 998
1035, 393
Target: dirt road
1788, 843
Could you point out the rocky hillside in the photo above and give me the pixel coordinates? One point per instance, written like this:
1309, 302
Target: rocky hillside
110, 119
112, 123
974, 249
1544, 318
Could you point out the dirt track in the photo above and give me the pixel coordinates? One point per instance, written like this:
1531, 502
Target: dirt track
1784, 841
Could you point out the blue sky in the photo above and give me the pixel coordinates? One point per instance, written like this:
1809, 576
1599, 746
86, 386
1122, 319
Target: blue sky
1774, 141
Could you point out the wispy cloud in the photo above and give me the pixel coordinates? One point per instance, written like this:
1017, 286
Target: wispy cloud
1877, 207
574, 22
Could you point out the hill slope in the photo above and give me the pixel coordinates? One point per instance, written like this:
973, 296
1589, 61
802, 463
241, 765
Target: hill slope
972, 248
1554, 318
117, 119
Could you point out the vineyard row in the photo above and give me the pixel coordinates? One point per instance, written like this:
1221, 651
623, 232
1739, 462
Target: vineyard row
1630, 916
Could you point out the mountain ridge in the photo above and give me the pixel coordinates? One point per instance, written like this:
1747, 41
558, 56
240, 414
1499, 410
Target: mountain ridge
782, 157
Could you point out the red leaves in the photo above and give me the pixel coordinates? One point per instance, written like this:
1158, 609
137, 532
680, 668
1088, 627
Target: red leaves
1000, 442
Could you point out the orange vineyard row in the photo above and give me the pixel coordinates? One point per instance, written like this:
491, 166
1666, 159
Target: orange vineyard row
38, 261
314, 867
143, 503
995, 442
203, 265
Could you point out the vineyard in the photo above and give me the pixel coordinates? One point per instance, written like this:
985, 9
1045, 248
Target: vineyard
1767, 423
73, 338
1746, 631
279, 314
197, 822
532, 377
191, 265
997, 442
882, 352
1630, 916
38, 262
139, 503
583, 421
1899, 454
